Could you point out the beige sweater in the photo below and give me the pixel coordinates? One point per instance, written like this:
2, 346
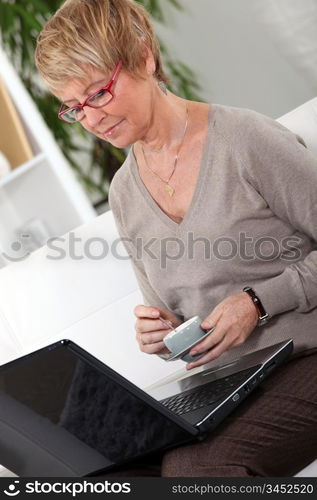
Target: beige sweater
252, 221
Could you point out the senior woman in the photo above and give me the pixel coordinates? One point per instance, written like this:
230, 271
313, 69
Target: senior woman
210, 200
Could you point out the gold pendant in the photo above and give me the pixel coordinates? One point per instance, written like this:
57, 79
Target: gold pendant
169, 190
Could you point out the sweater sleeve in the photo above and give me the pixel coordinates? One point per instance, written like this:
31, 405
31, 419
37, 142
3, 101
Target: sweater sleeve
284, 172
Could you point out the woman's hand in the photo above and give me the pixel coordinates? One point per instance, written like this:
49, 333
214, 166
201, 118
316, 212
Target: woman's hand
150, 330
234, 318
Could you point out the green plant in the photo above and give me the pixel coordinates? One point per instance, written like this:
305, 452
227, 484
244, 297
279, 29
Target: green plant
20, 23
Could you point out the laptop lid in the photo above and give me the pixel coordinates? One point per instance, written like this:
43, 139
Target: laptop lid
64, 413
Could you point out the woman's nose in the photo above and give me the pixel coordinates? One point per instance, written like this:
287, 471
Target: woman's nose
92, 116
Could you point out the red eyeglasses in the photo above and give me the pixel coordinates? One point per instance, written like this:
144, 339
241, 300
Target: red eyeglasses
98, 99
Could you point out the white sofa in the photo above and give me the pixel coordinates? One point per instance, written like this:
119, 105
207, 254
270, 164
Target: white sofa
90, 298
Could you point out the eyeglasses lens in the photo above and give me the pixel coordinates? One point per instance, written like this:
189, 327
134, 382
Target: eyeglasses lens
101, 98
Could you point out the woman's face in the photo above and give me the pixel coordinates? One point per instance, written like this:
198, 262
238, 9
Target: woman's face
126, 118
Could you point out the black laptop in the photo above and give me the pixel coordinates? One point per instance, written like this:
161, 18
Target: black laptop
65, 413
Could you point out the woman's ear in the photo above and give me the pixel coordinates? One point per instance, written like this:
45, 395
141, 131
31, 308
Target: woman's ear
150, 65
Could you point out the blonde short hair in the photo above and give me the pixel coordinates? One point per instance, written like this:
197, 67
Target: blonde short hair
95, 33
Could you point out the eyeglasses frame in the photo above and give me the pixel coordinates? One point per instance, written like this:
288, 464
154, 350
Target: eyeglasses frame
108, 88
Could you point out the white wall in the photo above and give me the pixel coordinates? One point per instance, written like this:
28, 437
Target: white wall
235, 57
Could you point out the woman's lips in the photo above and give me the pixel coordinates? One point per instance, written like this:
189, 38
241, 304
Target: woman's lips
110, 131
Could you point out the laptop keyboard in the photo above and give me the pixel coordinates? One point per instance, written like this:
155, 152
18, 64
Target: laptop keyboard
206, 394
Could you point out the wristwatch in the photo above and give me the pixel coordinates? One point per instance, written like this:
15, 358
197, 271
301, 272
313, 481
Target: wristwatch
263, 315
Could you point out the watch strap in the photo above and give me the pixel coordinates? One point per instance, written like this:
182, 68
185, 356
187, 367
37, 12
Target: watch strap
263, 315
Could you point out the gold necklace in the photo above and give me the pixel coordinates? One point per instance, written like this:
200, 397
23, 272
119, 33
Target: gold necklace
168, 188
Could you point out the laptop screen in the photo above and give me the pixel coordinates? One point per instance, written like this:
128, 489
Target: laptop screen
73, 410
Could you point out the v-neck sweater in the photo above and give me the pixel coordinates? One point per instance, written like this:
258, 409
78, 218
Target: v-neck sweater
252, 221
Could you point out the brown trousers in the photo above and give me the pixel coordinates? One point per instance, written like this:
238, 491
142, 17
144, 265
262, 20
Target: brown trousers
272, 433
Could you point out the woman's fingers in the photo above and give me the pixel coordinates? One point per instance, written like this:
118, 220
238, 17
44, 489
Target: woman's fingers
234, 318
151, 347
142, 311
158, 348
150, 325
213, 339
152, 312
150, 330
213, 353
212, 319
151, 338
